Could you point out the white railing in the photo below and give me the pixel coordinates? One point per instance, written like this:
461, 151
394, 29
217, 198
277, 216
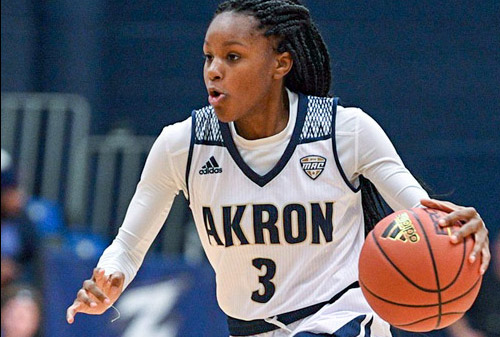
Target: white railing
115, 163
92, 177
43, 132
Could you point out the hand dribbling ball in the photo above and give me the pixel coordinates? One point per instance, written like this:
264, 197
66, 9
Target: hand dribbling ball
413, 276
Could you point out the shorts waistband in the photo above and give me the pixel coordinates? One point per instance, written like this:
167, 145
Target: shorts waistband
238, 327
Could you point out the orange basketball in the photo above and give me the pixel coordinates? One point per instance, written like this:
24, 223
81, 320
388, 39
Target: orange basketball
413, 276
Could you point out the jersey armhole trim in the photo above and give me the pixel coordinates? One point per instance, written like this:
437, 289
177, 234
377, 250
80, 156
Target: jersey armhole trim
190, 154
334, 143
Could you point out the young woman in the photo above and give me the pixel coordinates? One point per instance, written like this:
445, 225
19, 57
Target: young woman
272, 169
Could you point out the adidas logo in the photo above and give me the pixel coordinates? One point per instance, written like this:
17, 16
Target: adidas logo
211, 167
402, 229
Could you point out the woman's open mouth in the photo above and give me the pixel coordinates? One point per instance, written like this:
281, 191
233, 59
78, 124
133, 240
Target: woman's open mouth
215, 97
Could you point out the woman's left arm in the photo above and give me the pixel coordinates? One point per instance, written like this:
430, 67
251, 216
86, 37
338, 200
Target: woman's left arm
377, 159
472, 225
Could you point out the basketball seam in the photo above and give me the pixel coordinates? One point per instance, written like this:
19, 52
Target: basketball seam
419, 305
439, 290
398, 270
461, 264
434, 265
424, 319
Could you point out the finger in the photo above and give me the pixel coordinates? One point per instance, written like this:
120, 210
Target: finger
115, 284
83, 297
93, 289
116, 280
485, 260
72, 311
473, 226
481, 241
98, 274
445, 206
463, 214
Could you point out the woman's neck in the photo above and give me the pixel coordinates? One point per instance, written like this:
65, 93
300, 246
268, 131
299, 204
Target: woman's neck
268, 118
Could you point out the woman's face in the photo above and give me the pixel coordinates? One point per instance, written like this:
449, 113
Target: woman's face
239, 66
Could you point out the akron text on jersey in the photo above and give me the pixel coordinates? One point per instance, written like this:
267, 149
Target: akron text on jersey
297, 222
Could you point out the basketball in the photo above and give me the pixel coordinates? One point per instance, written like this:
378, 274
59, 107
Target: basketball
413, 276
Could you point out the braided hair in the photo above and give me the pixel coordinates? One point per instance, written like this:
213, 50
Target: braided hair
291, 23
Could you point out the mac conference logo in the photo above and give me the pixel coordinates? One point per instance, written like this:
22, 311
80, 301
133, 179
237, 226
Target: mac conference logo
313, 165
402, 229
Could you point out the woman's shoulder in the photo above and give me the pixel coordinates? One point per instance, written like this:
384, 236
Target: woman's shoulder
356, 120
176, 137
348, 119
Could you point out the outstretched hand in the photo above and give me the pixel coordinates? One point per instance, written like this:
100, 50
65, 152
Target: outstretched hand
472, 225
97, 294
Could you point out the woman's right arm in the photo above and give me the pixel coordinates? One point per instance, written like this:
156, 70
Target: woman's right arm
161, 180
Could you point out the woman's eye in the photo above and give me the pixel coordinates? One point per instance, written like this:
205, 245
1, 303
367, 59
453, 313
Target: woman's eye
208, 57
233, 57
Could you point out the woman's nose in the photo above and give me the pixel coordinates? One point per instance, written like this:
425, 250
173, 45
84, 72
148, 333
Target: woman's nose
214, 70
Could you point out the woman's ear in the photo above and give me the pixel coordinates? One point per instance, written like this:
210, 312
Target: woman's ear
284, 63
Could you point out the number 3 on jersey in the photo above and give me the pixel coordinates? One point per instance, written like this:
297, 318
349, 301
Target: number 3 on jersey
265, 280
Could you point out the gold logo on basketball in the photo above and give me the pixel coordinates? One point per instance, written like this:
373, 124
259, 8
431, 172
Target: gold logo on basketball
313, 165
402, 229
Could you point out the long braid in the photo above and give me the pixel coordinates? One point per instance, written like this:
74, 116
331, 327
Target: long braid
291, 22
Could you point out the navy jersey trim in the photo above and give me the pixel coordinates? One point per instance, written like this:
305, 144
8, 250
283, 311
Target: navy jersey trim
318, 122
294, 141
334, 143
190, 153
208, 142
238, 327
353, 328
350, 329
207, 129
317, 139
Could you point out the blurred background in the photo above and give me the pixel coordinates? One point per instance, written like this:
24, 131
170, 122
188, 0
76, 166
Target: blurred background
88, 85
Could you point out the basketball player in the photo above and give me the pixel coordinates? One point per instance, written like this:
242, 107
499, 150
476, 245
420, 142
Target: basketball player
272, 169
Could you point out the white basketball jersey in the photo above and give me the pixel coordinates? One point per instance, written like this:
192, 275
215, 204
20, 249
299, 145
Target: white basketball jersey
282, 241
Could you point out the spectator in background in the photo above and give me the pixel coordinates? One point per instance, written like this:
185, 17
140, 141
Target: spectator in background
19, 237
21, 312
483, 319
